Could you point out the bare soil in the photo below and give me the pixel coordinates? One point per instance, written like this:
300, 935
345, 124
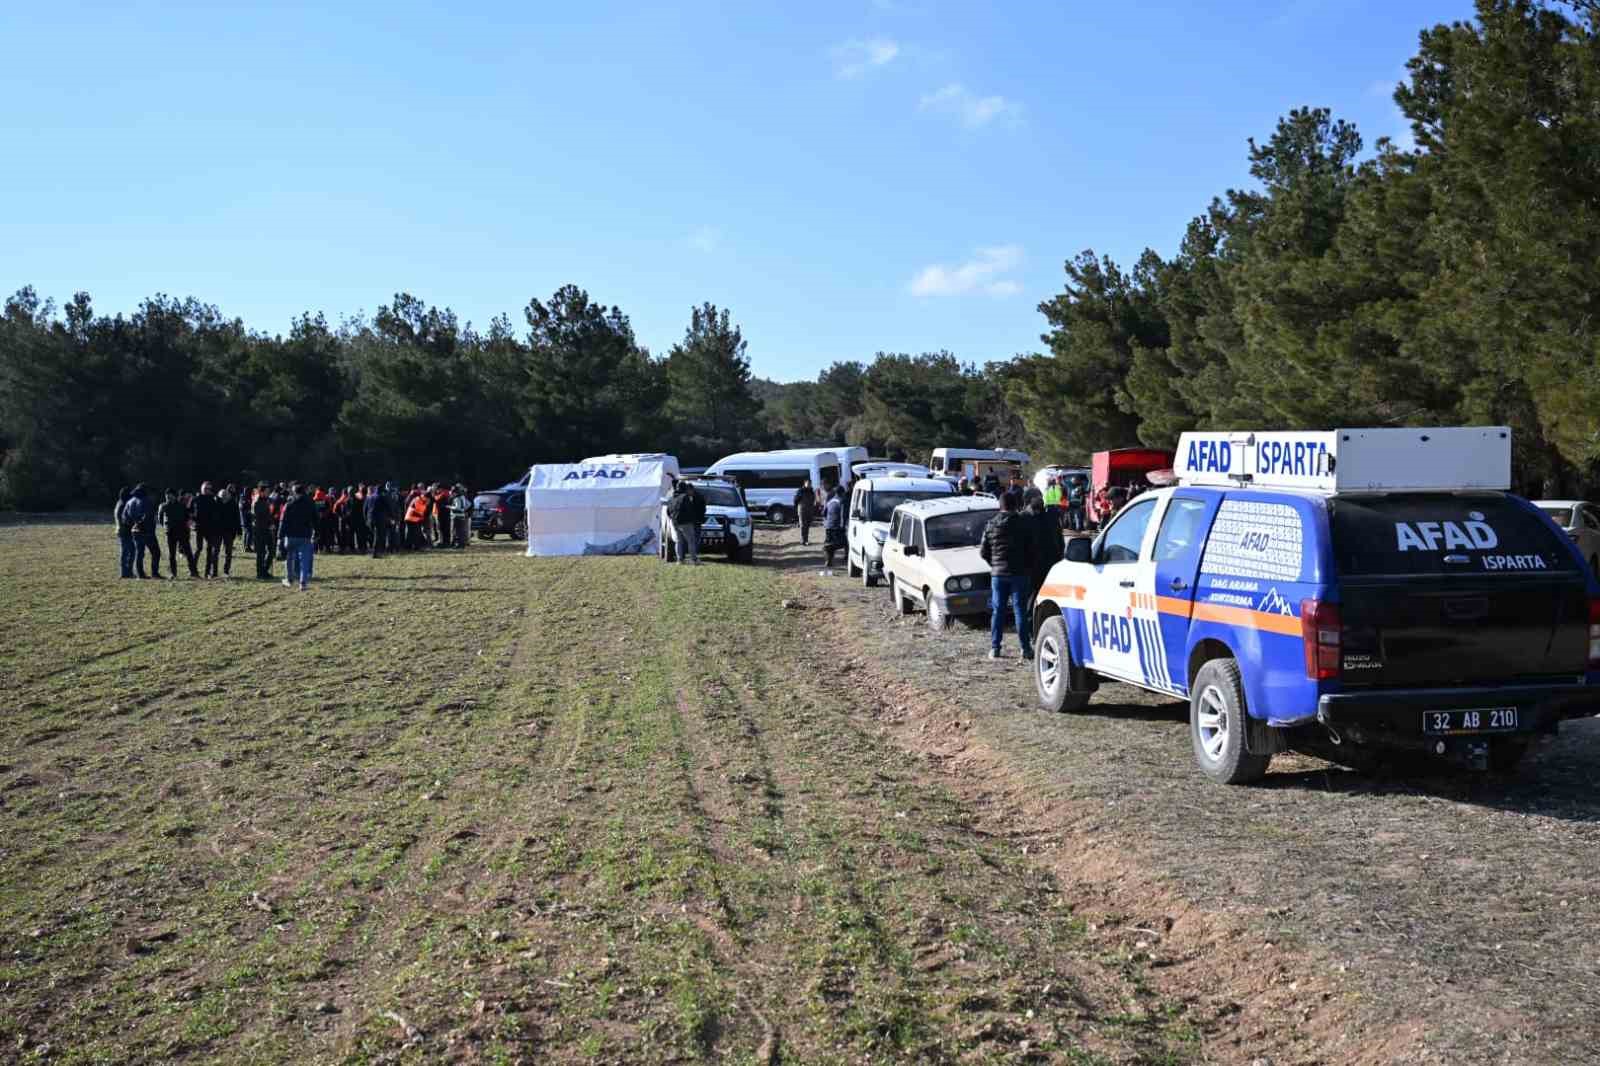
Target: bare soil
1418, 914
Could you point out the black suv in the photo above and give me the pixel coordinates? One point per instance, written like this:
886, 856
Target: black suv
502, 510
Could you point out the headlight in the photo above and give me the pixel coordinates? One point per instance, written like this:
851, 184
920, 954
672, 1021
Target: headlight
880, 535
740, 522
951, 584
966, 582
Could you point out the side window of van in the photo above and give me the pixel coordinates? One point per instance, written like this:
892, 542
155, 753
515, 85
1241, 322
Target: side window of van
1121, 542
894, 527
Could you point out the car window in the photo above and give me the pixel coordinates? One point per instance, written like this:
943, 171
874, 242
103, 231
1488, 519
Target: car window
962, 530
1561, 516
894, 528
916, 532
1440, 533
882, 504
719, 495
1120, 543
1589, 520
1180, 528
830, 475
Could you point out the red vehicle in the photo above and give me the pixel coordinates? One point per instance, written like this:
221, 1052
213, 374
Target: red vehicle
1127, 469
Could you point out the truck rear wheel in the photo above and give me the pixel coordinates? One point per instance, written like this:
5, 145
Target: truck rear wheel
1217, 726
1053, 672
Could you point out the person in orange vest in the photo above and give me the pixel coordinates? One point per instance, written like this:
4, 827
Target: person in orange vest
416, 519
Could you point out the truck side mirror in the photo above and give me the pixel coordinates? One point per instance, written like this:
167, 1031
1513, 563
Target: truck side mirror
1079, 549
912, 549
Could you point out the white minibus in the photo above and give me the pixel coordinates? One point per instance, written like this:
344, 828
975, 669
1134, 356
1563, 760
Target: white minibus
770, 479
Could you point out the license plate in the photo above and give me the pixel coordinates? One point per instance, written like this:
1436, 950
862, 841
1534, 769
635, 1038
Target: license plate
710, 540
1477, 720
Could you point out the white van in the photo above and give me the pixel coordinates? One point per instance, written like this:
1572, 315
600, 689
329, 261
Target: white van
872, 503
975, 464
770, 479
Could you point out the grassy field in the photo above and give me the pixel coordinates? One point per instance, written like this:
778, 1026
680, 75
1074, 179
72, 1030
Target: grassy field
476, 807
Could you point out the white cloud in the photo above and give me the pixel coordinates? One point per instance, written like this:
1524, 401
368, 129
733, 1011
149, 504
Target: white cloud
706, 239
982, 273
967, 107
856, 57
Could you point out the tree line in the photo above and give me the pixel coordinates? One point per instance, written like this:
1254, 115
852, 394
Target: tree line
1456, 280
1451, 280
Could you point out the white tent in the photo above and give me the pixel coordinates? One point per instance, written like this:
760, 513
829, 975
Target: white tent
595, 508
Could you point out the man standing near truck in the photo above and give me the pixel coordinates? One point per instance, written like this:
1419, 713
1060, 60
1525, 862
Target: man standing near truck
686, 510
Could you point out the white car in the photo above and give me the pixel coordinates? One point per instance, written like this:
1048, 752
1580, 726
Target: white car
1581, 520
872, 503
1041, 477
931, 557
726, 530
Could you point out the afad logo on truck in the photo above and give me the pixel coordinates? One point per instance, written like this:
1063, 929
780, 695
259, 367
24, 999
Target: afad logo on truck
1274, 458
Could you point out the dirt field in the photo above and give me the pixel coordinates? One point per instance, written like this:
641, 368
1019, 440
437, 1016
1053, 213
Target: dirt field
476, 807
1416, 914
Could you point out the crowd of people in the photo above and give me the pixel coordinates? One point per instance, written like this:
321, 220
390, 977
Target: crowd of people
292, 521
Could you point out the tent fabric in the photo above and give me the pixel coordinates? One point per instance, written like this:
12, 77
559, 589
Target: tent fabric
595, 508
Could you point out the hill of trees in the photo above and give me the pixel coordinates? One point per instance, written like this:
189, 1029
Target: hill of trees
1452, 280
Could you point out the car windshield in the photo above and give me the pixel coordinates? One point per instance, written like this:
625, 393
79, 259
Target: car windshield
964, 530
1561, 516
884, 503
719, 495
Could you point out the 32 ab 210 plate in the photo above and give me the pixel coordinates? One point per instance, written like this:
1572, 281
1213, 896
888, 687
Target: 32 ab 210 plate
1476, 720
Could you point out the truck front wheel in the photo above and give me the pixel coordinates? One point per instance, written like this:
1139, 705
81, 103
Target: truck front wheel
1217, 726
1053, 672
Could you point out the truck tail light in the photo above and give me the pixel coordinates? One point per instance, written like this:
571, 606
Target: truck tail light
501, 507
1594, 634
1320, 630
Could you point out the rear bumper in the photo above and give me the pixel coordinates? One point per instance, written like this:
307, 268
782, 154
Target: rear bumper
1396, 715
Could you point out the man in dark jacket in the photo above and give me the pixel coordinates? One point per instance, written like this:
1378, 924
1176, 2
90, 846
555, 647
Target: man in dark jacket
208, 526
1008, 545
174, 516
686, 510
261, 532
1048, 547
246, 518
377, 517
297, 531
805, 509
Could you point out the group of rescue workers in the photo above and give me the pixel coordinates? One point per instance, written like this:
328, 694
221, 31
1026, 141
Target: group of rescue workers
292, 520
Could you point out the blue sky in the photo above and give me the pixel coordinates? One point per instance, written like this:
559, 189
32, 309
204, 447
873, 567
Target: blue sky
901, 175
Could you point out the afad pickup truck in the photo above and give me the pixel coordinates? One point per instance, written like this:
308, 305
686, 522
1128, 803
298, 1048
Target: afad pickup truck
1365, 588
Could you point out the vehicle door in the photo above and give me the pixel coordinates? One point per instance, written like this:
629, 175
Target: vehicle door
1112, 646
1165, 606
894, 555
915, 572
855, 544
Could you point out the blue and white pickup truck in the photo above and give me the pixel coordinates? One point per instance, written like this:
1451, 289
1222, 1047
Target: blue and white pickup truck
1378, 588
